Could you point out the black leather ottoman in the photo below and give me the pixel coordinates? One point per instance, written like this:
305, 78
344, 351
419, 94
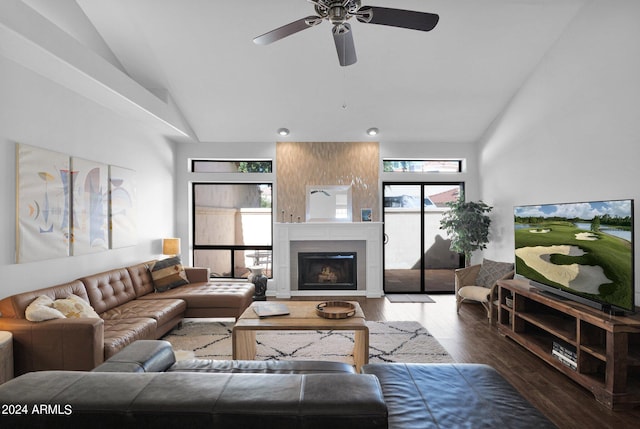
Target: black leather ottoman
452, 396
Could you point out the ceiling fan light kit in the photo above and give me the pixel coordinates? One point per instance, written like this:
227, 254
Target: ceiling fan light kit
338, 12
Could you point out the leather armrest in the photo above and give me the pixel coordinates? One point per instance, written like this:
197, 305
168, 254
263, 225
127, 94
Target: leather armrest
74, 344
140, 356
197, 274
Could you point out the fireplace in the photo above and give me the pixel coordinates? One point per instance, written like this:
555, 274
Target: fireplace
327, 271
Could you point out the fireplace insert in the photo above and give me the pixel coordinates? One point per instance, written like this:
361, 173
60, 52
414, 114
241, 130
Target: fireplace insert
327, 271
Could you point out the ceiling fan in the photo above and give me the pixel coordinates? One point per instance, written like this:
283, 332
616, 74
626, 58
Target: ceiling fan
338, 12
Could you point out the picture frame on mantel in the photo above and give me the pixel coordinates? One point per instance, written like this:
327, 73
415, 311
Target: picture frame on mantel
328, 203
366, 215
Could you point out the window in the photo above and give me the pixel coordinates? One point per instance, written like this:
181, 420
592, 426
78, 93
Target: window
232, 228
216, 166
423, 166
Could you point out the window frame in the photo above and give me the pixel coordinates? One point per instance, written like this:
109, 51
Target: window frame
459, 162
230, 248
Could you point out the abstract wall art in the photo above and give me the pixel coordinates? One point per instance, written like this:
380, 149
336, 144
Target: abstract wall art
90, 202
43, 204
122, 214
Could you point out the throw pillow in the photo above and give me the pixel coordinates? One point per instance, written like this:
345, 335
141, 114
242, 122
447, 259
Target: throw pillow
73, 307
492, 271
41, 309
168, 274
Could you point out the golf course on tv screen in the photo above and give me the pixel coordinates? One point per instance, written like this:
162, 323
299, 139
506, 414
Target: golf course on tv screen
585, 249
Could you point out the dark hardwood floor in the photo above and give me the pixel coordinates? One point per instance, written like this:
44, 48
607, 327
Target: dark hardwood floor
468, 337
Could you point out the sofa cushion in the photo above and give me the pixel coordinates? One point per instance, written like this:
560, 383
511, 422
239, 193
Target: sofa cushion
141, 278
74, 306
492, 271
109, 289
42, 309
120, 333
475, 293
162, 310
211, 300
168, 274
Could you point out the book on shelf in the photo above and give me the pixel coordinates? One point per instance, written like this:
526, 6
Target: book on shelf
566, 354
267, 309
571, 363
565, 350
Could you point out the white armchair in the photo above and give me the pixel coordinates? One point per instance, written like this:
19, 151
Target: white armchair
478, 283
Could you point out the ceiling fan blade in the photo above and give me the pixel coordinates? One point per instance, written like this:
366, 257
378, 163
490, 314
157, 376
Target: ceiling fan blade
287, 30
343, 37
412, 20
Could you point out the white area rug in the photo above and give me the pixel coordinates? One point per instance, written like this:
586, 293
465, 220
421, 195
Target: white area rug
388, 342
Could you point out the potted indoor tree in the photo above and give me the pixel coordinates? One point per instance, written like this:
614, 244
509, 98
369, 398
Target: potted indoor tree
467, 224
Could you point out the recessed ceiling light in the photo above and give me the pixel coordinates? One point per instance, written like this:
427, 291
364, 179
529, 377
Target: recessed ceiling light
283, 131
373, 131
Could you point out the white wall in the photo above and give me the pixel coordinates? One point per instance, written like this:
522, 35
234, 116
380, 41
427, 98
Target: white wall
40, 113
572, 133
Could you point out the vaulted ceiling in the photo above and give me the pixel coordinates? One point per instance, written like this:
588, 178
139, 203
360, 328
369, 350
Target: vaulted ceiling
444, 86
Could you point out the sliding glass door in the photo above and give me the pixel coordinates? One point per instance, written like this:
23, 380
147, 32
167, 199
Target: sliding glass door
417, 258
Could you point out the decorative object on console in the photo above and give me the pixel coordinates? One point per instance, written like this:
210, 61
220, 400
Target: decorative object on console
260, 282
171, 246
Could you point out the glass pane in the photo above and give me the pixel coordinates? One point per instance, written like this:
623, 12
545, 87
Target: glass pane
218, 261
423, 166
402, 249
232, 214
244, 259
211, 166
439, 261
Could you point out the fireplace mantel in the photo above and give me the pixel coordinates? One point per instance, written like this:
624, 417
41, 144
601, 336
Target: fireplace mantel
369, 232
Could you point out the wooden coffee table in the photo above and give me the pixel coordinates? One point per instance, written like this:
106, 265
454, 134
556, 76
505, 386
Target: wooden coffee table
302, 317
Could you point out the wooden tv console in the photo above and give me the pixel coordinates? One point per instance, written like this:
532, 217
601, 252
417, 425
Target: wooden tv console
598, 351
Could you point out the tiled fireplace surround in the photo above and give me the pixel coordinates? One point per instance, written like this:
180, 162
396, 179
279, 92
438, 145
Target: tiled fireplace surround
365, 238
332, 163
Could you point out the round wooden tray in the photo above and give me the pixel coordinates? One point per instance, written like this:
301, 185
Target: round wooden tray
335, 309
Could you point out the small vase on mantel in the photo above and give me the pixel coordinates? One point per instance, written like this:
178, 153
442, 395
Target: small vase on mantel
260, 282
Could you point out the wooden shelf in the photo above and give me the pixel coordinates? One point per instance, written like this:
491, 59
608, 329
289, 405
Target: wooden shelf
607, 348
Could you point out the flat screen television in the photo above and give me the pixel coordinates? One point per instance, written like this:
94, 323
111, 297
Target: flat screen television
580, 251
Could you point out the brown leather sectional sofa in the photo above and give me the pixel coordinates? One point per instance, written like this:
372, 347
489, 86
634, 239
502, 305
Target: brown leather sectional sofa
129, 310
